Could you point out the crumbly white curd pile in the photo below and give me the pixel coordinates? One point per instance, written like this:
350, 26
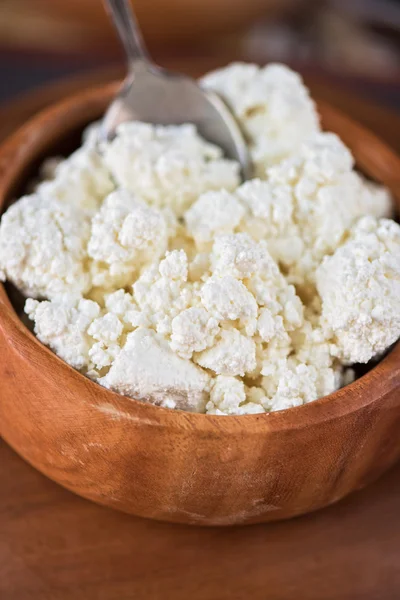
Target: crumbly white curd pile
151, 269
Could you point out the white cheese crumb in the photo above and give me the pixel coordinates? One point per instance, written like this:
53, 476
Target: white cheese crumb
296, 386
272, 105
162, 292
82, 180
214, 213
237, 255
360, 290
228, 299
125, 235
123, 305
228, 397
43, 247
64, 327
233, 354
107, 328
268, 326
270, 217
193, 330
168, 166
147, 369
378, 201
327, 195
88, 337
303, 211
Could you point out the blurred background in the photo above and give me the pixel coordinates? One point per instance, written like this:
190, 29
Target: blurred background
354, 44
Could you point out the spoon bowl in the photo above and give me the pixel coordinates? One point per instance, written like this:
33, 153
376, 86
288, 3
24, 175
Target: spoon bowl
155, 95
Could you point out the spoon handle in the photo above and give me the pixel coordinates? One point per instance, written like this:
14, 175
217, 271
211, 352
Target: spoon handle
126, 24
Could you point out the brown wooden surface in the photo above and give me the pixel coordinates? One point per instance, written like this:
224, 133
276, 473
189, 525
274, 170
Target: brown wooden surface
54, 545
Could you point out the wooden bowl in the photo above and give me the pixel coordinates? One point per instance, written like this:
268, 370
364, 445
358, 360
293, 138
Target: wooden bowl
172, 465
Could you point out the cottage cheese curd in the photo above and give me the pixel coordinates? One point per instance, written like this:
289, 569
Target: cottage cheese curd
152, 270
272, 105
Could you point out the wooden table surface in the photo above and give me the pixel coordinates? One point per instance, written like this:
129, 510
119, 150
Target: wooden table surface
56, 546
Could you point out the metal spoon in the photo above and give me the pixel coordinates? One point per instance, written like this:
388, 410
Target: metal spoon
154, 95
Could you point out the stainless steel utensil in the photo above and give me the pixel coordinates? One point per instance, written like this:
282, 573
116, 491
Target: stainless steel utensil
154, 95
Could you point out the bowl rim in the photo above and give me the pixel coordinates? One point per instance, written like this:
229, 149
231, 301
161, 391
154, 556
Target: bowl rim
33, 138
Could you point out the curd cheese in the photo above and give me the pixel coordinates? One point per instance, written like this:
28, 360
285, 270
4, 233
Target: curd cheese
167, 166
151, 269
43, 247
359, 287
272, 105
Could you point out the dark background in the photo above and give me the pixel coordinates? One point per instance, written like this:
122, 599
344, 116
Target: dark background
353, 44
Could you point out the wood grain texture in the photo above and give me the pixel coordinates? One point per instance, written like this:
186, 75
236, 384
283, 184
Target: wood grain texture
56, 546
176, 466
